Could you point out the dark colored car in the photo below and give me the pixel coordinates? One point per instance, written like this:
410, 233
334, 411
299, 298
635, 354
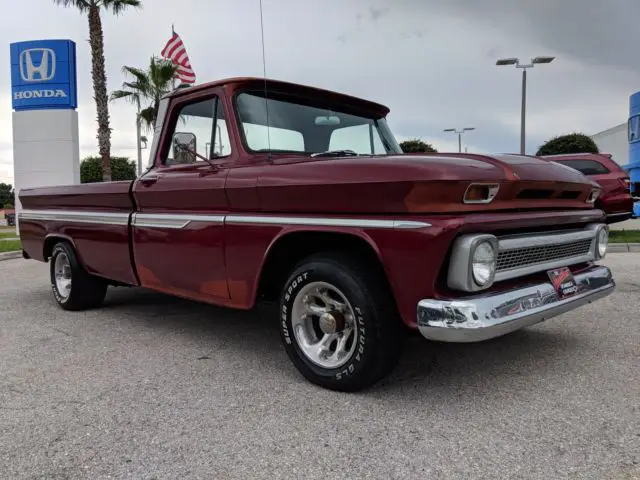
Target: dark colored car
11, 219
615, 200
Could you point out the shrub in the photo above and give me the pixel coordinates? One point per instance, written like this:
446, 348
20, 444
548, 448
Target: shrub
417, 146
571, 143
121, 169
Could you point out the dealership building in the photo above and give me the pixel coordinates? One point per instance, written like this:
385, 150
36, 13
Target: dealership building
615, 141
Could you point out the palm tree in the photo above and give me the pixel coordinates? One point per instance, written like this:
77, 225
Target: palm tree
96, 40
148, 87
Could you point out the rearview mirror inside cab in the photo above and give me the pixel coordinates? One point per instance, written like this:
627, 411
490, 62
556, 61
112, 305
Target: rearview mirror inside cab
329, 121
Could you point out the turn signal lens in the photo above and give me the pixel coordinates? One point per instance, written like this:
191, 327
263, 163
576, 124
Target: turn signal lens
593, 196
481, 193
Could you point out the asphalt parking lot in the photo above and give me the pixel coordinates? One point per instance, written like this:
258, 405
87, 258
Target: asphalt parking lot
155, 387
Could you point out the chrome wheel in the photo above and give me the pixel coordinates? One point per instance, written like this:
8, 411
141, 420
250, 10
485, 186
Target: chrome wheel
62, 272
324, 325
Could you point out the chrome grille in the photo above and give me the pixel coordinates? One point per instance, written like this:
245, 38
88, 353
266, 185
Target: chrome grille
523, 257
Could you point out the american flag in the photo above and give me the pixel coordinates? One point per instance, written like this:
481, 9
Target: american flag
175, 51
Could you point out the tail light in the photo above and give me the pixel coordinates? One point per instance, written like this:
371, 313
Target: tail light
626, 183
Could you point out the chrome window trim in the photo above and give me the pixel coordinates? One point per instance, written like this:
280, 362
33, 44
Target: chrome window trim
180, 221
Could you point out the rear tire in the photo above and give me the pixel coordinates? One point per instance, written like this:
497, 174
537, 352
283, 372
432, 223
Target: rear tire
339, 324
73, 288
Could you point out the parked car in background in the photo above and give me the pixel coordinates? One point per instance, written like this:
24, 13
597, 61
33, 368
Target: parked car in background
9, 216
615, 200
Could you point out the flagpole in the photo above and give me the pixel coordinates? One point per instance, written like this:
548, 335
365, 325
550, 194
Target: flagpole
173, 80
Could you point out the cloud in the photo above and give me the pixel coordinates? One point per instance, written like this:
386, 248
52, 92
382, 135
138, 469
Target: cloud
431, 61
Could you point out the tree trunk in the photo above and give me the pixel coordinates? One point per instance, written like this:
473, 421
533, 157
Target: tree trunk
100, 90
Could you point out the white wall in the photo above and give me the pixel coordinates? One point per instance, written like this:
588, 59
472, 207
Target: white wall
46, 150
614, 141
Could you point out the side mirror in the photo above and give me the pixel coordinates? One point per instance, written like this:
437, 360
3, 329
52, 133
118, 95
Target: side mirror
184, 147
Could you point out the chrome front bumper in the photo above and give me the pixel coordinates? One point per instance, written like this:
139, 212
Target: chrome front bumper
478, 318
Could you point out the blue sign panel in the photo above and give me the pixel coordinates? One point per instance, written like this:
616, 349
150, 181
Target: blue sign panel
43, 75
633, 130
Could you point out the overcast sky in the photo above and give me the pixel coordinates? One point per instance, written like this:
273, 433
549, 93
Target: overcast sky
431, 61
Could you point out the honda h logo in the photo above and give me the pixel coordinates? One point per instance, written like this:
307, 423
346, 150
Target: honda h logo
37, 64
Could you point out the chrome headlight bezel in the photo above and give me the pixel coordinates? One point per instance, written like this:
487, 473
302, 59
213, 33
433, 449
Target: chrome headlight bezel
461, 267
601, 240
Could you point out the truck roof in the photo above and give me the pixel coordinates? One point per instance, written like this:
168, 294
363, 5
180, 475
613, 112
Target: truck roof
280, 85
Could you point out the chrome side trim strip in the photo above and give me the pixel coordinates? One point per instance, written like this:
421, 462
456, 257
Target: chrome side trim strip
325, 222
100, 218
179, 221
174, 221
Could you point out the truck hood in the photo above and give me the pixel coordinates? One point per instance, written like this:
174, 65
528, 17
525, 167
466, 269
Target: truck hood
433, 183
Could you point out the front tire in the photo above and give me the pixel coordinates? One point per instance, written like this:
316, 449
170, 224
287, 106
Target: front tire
339, 323
72, 287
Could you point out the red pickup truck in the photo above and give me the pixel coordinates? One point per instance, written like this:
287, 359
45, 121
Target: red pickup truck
266, 190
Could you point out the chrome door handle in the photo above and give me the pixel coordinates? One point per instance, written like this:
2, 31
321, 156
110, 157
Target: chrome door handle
148, 180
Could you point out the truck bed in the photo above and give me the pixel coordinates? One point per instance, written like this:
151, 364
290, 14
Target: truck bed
102, 240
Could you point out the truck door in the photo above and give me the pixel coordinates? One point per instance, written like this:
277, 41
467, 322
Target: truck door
177, 230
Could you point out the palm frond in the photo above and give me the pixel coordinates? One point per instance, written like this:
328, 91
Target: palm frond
147, 116
140, 74
81, 5
118, 6
127, 95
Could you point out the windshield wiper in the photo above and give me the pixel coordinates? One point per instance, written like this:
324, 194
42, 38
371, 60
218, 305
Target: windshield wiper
335, 153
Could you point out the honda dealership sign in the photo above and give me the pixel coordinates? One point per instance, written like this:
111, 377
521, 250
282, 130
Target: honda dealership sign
46, 147
43, 75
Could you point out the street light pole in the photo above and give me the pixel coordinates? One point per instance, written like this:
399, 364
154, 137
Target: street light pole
523, 108
139, 141
459, 132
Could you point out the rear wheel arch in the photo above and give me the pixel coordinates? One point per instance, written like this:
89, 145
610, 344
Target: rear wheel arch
50, 242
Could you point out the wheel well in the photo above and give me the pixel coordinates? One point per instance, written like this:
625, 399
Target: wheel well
49, 243
289, 250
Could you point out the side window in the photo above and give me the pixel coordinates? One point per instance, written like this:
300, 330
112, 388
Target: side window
586, 167
363, 139
200, 131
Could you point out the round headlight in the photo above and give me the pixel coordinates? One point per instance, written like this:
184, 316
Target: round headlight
483, 264
603, 242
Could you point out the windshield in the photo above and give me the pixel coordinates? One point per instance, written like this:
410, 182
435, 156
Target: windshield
298, 127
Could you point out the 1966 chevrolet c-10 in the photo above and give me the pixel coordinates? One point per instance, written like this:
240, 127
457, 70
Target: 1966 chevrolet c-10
322, 211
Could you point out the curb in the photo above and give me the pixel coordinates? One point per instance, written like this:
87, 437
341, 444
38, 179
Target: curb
623, 247
10, 255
